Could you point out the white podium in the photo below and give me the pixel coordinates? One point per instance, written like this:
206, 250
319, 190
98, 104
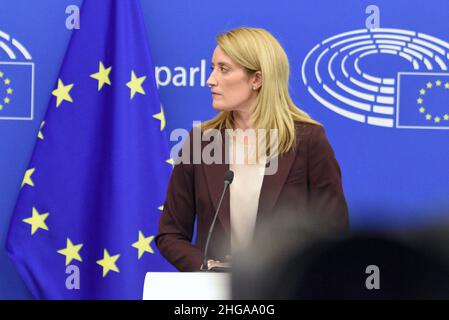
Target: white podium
187, 286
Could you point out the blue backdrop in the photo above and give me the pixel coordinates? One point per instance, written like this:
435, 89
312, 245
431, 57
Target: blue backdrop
381, 94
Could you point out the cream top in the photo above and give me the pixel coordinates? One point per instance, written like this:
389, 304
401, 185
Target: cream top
244, 191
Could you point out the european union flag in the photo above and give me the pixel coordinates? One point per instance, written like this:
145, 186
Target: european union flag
91, 196
423, 100
16, 90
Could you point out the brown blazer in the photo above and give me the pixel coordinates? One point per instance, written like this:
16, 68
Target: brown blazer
308, 182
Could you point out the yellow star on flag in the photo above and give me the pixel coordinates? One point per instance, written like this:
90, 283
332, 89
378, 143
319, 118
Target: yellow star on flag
71, 252
428, 116
136, 84
102, 76
40, 135
446, 116
446, 85
437, 119
62, 93
161, 117
420, 100
9, 91
7, 81
37, 221
7, 100
27, 178
438, 83
422, 91
108, 263
429, 85
1, 107
1, 74
422, 109
143, 244
171, 162
160, 208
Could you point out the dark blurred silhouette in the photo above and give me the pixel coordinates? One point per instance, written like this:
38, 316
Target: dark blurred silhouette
294, 259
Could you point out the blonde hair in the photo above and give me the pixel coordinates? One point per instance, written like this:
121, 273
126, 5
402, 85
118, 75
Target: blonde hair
257, 50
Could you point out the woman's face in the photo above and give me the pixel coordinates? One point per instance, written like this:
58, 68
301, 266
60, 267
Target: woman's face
232, 88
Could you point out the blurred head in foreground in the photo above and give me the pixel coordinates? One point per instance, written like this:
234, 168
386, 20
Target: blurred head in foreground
309, 260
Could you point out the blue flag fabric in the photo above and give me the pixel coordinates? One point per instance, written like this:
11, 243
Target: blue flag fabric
87, 213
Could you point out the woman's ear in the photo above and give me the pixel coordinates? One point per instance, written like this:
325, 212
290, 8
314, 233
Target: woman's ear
257, 80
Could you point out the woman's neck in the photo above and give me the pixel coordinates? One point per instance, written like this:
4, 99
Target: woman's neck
242, 120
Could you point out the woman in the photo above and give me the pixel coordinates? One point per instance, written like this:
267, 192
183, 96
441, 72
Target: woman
249, 85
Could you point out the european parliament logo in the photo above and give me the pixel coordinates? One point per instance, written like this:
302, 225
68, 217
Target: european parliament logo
382, 77
16, 80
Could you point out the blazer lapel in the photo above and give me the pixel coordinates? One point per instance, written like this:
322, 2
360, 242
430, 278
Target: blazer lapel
214, 177
272, 186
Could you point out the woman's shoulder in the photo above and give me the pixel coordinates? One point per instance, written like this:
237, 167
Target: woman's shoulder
314, 137
306, 130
